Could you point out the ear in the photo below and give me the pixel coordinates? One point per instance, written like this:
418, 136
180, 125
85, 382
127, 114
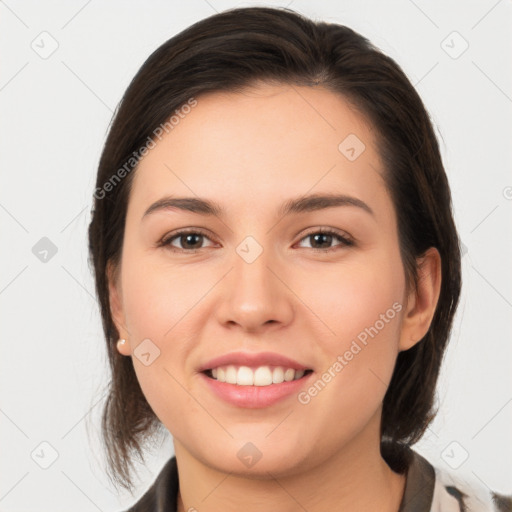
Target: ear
422, 301
116, 308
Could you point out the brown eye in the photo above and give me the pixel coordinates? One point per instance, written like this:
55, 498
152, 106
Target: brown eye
188, 241
321, 240
192, 241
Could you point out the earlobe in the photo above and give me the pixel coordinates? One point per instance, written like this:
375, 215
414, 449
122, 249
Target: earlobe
422, 301
116, 310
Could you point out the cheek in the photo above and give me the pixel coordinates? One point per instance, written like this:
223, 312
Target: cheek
158, 298
159, 306
162, 314
351, 297
360, 309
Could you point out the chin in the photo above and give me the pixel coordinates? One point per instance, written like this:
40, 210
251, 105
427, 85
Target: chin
251, 460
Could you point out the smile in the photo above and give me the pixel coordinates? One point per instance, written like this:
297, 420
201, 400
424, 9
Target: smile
252, 388
257, 376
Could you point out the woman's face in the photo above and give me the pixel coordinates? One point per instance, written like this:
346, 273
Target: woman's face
259, 280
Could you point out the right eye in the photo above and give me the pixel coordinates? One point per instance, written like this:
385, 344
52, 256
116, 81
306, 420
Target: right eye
190, 240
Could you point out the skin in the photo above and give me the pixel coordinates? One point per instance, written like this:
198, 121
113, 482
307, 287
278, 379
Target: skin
250, 152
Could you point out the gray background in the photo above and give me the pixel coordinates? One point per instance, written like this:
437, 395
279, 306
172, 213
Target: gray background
55, 110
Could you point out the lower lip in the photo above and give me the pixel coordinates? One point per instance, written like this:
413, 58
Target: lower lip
255, 397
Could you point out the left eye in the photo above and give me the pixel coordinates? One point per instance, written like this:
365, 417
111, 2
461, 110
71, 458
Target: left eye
322, 237
191, 241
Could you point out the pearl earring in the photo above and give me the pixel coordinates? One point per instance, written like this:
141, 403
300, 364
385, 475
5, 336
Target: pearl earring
120, 342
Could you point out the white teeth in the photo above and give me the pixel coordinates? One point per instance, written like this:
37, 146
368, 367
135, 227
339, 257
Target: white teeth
231, 375
299, 374
289, 374
261, 376
245, 376
278, 375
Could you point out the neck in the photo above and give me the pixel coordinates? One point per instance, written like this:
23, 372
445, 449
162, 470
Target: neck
355, 478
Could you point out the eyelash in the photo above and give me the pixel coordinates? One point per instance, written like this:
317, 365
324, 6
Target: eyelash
166, 241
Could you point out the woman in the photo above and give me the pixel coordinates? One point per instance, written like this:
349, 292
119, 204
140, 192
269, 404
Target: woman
278, 269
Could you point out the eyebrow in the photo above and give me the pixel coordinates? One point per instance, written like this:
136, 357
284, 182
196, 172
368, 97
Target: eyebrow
298, 205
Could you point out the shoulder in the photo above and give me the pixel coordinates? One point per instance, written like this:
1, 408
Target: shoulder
163, 493
464, 493
431, 488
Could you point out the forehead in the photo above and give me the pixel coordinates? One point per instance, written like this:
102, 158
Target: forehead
265, 141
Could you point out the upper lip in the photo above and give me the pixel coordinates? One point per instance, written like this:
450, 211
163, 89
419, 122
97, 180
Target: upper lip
253, 360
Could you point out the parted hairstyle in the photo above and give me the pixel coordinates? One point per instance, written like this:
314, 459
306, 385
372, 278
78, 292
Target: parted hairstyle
230, 51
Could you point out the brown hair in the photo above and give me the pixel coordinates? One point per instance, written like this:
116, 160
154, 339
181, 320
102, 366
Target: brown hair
230, 51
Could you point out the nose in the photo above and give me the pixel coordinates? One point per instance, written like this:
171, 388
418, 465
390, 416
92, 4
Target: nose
255, 295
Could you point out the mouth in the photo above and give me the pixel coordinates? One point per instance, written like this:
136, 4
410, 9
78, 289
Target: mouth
255, 376
254, 380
